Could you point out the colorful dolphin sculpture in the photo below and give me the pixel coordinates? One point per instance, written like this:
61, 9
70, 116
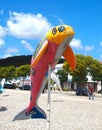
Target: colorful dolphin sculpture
48, 52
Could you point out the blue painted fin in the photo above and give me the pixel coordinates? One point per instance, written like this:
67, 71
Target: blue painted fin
36, 112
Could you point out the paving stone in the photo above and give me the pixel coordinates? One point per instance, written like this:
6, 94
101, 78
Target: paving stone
68, 111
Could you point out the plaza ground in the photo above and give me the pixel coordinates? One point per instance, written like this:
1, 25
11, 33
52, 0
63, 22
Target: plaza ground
68, 111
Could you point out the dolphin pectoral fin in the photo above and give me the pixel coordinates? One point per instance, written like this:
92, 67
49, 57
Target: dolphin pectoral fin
70, 57
41, 52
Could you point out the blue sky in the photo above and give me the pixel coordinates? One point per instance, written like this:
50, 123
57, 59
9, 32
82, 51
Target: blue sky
24, 22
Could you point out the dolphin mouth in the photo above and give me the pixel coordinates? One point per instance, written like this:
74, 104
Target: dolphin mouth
67, 41
62, 47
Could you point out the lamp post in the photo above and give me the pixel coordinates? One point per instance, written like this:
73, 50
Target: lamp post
49, 97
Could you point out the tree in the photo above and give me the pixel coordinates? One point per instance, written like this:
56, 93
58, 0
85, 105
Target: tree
100, 76
23, 71
96, 71
85, 65
79, 75
11, 72
3, 72
8, 72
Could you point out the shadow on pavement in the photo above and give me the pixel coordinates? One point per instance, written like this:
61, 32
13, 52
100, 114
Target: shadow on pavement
57, 100
3, 108
6, 95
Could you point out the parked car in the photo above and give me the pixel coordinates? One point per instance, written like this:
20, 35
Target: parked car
100, 91
82, 91
25, 87
9, 86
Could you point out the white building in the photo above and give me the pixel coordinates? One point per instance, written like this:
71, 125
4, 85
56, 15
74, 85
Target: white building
70, 85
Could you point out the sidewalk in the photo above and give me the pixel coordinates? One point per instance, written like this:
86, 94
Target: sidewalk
68, 111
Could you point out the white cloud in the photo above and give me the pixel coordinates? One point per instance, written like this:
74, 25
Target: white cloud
28, 26
61, 21
101, 43
7, 55
1, 12
12, 50
27, 45
89, 48
2, 34
2, 31
76, 43
1, 42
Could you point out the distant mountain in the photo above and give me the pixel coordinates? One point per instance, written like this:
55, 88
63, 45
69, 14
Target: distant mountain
19, 60
16, 60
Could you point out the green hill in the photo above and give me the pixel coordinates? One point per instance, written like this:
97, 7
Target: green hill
16, 60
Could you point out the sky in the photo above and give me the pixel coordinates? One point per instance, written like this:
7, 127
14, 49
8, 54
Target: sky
23, 23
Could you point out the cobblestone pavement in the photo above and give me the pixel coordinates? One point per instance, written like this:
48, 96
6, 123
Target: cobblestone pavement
68, 111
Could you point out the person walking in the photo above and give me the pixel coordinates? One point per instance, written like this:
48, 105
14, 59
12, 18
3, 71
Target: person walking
91, 92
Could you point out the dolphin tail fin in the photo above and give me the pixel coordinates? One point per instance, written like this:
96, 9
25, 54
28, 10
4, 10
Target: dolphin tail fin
36, 112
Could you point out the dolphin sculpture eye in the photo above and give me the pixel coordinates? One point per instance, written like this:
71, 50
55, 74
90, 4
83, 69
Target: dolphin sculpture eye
54, 31
61, 28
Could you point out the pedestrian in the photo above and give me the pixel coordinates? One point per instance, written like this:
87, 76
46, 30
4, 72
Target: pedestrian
91, 92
